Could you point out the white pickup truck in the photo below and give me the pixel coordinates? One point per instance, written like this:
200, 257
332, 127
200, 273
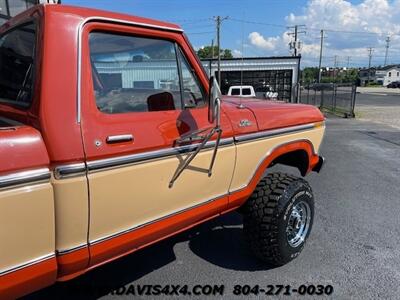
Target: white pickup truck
246, 91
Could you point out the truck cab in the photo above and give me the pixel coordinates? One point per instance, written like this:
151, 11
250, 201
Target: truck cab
112, 137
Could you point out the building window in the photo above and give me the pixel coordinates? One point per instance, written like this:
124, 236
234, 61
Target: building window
3, 8
10, 8
18, 6
398, 74
390, 74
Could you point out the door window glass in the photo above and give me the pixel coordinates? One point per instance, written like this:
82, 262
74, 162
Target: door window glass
134, 74
17, 56
192, 92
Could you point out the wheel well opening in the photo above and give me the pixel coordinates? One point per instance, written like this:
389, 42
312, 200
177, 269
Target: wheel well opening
297, 159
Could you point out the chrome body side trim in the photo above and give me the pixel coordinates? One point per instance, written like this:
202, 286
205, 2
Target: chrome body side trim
109, 20
69, 250
108, 237
273, 132
24, 177
67, 171
27, 264
140, 157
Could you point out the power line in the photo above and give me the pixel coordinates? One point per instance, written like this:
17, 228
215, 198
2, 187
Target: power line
198, 26
309, 28
202, 32
257, 23
188, 21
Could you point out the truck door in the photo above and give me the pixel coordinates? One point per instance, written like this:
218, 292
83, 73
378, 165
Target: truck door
141, 94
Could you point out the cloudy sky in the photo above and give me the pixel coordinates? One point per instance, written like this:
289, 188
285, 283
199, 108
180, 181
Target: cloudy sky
261, 27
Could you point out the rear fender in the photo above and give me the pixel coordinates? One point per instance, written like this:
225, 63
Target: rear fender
237, 198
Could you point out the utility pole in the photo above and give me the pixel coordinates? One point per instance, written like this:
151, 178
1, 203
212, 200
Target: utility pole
320, 56
348, 62
387, 50
212, 56
370, 50
218, 21
295, 45
334, 68
295, 40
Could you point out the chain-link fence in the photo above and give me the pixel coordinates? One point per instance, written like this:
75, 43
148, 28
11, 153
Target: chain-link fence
338, 98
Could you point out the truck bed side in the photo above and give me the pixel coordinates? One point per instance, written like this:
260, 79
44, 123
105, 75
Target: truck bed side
27, 226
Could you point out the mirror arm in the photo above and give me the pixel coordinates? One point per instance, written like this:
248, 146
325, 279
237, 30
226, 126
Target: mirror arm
218, 116
189, 159
217, 129
193, 136
219, 132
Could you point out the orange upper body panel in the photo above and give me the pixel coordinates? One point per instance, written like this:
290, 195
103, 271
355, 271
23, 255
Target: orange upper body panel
21, 148
277, 114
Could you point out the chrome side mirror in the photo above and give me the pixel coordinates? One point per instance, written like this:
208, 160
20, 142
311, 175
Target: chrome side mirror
214, 102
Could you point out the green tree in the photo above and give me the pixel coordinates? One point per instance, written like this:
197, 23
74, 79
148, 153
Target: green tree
309, 75
351, 75
207, 51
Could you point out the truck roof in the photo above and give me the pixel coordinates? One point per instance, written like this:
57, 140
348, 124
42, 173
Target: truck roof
85, 13
241, 86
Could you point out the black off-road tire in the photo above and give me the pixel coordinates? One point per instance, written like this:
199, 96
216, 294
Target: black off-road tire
266, 215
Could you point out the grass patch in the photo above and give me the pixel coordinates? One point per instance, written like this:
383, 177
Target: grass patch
338, 112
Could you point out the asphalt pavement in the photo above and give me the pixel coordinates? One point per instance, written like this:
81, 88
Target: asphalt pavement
354, 244
379, 108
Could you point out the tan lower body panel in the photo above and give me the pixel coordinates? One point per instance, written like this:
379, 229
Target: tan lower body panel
72, 211
251, 153
130, 196
26, 225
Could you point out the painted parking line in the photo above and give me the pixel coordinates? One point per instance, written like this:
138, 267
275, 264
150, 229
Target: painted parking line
374, 94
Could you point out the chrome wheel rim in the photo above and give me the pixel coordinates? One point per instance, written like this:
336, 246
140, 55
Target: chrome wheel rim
298, 224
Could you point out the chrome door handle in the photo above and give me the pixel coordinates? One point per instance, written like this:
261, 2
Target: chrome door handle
111, 139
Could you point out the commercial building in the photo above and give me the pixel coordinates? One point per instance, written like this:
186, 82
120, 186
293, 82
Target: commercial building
265, 74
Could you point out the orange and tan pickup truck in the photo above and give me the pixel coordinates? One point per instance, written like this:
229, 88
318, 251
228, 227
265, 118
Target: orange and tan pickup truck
112, 137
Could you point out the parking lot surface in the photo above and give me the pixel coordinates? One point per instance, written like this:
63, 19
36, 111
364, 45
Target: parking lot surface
354, 244
379, 108
378, 90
